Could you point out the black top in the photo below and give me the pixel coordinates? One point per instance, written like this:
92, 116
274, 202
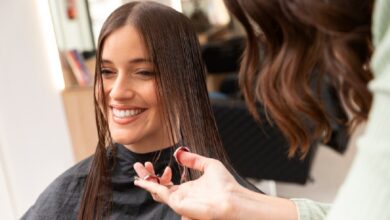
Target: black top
61, 199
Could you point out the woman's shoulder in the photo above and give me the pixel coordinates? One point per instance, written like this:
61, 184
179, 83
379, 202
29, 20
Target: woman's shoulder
72, 179
61, 198
76, 173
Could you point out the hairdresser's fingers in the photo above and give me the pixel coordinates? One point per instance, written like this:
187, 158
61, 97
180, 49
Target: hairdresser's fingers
195, 161
166, 178
141, 170
150, 168
146, 172
159, 192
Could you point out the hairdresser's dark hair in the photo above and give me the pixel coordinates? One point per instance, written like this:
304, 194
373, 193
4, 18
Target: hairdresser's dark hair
180, 74
292, 42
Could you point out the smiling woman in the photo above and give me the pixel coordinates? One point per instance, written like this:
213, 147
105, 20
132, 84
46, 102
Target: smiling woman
150, 98
130, 89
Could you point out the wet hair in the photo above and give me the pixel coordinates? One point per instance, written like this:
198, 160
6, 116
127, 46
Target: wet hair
290, 44
180, 73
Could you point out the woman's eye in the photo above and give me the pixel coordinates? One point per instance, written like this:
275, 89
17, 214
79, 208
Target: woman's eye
106, 72
145, 73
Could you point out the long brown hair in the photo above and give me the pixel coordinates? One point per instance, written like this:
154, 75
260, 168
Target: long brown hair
290, 43
180, 75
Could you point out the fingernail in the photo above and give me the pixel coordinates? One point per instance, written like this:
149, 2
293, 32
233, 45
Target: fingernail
153, 178
178, 151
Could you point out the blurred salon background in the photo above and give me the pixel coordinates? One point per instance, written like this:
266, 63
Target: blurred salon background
47, 57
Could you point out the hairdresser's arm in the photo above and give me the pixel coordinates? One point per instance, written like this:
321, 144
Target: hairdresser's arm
216, 194
311, 210
366, 191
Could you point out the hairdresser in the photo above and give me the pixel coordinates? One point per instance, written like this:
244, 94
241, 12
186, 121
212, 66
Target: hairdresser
347, 41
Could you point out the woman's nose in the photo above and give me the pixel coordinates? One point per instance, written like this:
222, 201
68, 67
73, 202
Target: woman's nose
121, 88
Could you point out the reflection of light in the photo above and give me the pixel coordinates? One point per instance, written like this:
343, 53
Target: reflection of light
176, 4
50, 44
218, 13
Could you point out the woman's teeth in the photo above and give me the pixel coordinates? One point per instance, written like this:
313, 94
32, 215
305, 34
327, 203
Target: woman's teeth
126, 113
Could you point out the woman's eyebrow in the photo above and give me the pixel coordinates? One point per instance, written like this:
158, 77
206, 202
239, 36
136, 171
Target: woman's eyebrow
139, 60
131, 61
106, 61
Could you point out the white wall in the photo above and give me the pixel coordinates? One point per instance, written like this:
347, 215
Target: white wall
6, 204
34, 141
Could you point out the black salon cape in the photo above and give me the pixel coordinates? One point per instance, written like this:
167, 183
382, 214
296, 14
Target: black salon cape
61, 199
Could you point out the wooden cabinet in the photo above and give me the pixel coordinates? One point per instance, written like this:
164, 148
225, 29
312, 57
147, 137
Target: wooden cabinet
80, 114
79, 110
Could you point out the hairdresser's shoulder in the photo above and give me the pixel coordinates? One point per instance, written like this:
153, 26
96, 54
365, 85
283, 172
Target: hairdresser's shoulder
61, 198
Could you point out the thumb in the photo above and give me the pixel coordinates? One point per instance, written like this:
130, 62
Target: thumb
193, 161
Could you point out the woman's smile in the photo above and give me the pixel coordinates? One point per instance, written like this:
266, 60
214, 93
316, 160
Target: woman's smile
127, 115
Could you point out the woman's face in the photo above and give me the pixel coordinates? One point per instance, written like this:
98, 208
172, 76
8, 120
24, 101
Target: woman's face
134, 117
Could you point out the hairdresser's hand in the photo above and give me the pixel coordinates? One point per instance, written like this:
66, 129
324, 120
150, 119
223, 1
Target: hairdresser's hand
146, 172
208, 197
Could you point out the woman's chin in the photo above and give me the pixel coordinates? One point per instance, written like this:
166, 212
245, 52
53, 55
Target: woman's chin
123, 139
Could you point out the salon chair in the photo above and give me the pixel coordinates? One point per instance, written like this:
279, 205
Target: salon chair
258, 152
